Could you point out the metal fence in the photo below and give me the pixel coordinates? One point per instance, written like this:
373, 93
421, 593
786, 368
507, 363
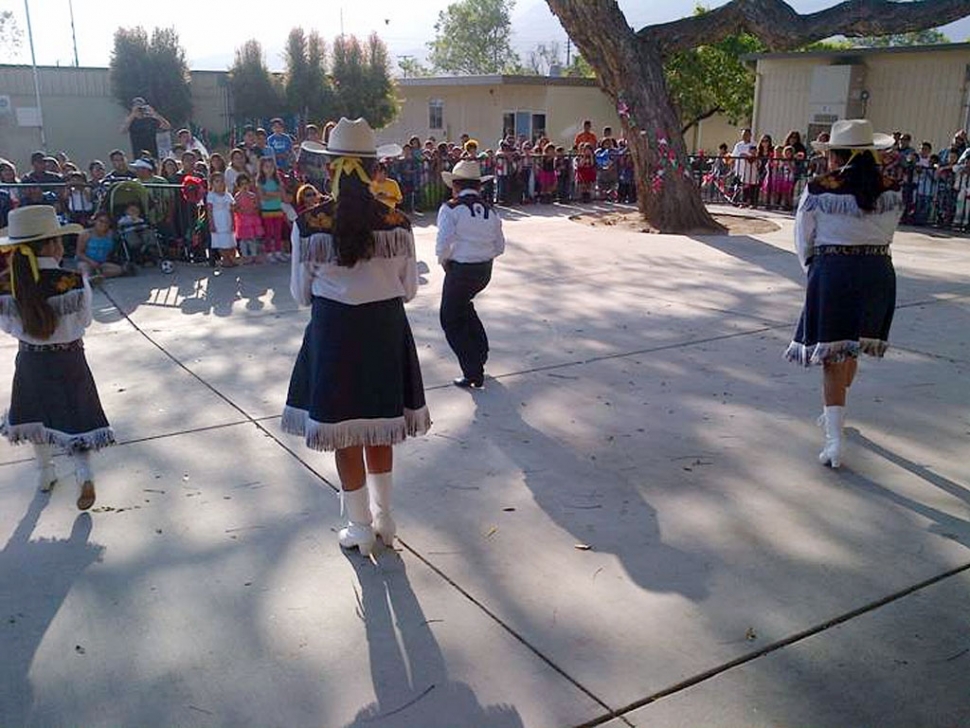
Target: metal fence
934, 196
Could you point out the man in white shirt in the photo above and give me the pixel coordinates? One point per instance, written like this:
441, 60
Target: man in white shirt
745, 166
469, 238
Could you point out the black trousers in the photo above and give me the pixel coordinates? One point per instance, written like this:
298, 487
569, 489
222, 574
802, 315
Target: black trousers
463, 329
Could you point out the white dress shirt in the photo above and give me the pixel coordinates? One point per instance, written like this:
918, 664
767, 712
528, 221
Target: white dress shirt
468, 232
835, 219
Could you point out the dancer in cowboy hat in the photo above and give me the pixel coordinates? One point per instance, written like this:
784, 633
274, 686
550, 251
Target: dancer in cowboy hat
843, 228
54, 402
356, 387
469, 238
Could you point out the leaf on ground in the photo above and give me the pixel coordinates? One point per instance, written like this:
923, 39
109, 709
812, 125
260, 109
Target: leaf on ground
751, 635
491, 532
583, 547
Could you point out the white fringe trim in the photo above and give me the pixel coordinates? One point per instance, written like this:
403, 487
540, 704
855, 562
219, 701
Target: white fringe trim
35, 432
844, 204
834, 351
338, 435
63, 304
396, 243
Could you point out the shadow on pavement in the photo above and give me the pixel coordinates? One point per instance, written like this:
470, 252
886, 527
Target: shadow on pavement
407, 667
35, 578
582, 508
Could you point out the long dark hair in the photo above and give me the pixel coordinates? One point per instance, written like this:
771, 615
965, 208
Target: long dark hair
862, 177
354, 220
38, 318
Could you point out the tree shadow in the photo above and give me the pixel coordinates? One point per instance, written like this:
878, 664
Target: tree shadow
570, 491
407, 666
35, 578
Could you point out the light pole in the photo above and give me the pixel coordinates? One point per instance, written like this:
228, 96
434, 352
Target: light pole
70, 7
33, 63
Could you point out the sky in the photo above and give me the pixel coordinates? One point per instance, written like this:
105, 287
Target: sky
213, 30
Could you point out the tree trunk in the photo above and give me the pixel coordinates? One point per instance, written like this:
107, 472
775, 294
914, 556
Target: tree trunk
632, 73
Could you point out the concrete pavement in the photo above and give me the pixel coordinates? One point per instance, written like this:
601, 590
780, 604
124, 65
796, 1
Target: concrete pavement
627, 527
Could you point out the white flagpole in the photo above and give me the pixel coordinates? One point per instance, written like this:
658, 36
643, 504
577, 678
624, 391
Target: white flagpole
33, 62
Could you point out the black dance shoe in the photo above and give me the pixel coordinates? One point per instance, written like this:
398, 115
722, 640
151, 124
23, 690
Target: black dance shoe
466, 383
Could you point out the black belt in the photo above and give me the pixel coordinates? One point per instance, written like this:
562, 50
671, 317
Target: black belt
853, 250
76, 345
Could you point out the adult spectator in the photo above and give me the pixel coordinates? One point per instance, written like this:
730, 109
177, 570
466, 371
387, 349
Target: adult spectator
190, 143
142, 125
746, 166
40, 174
253, 152
959, 143
119, 167
794, 140
586, 136
311, 133
8, 175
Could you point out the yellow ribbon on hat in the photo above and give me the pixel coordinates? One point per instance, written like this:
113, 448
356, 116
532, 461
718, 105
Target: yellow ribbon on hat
28, 252
346, 166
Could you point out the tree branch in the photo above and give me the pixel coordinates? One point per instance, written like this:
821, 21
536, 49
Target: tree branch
780, 28
701, 117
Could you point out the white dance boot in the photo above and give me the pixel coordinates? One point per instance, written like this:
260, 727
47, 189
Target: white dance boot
833, 419
358, 532
384, 526
46, 472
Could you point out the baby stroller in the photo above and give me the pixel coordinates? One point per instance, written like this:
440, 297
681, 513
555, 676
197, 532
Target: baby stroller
127, 202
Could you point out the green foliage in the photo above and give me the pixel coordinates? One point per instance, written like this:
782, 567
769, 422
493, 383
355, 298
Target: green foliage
256, 94
473, 37
11, 36
412, 68
921, 37
307, 89
361, 76
712, 79
154, 69
579, 68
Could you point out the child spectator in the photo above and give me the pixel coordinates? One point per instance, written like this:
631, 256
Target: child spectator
525, 177
607, 177
947, 185
248, 222
385, 189
585, 172
924, 182
79, 203
563, 174
237, 166
746, 168
281, 145
547, 173
269, 187
784, 184
94, 248
503, 173
218, 204
627, 188
136, 232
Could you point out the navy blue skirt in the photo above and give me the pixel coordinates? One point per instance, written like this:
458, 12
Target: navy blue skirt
55, 401
849, 305
357, 380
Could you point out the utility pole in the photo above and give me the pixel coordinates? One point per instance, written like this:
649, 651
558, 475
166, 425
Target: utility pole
70, 6
33, 62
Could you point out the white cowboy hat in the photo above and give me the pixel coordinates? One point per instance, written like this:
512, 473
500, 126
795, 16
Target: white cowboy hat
356, 139
854, 134
35, 222
466, 169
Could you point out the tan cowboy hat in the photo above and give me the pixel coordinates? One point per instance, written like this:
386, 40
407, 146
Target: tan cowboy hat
466, 169
35, 222
854, 134
356, 139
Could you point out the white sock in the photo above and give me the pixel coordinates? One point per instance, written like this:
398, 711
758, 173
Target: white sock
82, 466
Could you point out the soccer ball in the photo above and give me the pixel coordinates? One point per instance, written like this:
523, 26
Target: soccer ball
167, 266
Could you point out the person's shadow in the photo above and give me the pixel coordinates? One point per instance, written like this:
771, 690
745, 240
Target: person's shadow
407, 667
598, 506
35, 578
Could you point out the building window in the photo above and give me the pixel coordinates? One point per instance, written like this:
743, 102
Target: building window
436, 114
538, 126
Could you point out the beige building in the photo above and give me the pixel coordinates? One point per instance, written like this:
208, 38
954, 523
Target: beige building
81, 116
486, 107
922, 90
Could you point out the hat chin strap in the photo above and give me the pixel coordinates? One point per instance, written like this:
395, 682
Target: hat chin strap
347, 166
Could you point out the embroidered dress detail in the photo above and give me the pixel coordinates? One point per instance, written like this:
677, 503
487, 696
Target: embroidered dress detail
833, 352
369, 432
